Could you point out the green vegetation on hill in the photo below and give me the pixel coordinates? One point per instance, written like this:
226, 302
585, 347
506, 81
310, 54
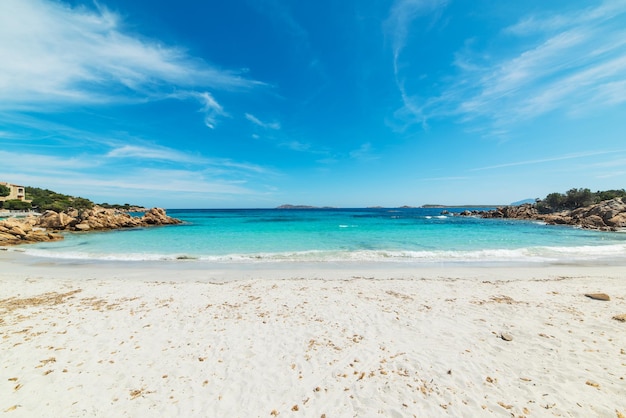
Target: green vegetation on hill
44, 199
576, 198
125, 206
15, 204
4, 191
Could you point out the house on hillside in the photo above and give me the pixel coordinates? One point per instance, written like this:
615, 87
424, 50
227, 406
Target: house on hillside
16, 192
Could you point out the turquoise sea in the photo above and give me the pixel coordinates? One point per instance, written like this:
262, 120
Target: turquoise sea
413, 235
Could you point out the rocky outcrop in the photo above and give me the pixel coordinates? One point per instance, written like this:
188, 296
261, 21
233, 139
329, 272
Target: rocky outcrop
157, 216
525, 211
609, 215
53, 220
46, 226
24, 231
99, 218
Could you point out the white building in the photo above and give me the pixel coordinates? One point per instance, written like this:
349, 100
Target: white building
17, 192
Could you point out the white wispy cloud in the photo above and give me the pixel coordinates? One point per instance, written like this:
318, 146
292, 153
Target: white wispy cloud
547, 160
265, 125
364, 153
55, 54
221, 166
211, 109
99, 175
565, 71
281, 14
572, 62
299, 146
138, 183
153, 152
402, 15
12, 161
397, 26
534, 24
449, 178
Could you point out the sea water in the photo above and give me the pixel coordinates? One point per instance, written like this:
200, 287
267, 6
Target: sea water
417, 235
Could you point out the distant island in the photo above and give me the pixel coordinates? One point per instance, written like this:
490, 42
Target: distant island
296, 207
303, 207
299, 207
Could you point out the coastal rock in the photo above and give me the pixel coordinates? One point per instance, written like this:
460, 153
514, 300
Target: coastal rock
109, 219
598, 296
82, 227
525, 211
13, 232
608, 215
99, 218
606, 210
5, 238
54, 220
557, 219
617, 221
157, 216
592, 222
45, 227
621, 318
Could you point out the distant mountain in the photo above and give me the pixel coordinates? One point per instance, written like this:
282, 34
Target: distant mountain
296, 207
521, 202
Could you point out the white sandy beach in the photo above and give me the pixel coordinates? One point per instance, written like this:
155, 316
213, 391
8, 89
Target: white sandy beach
119, 339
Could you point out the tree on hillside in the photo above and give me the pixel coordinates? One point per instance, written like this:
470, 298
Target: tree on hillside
16, 204
609, 194
4, 190
554, 201
577, 198
45, 199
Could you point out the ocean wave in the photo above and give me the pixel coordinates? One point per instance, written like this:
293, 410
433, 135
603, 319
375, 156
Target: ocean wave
530, 254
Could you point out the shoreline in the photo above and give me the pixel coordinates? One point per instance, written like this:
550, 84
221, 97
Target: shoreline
17, 262
137, 339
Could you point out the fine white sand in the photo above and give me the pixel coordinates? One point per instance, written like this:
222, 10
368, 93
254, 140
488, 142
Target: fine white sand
393, 341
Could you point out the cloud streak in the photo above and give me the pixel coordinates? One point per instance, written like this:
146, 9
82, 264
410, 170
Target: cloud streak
364, 153
169, 155
402, 15
92, 174
546, 160
264, 125
53, 54
397, 26
573, 63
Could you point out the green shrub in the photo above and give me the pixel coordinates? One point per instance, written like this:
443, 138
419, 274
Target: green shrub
16, 205
575, 198
44, 199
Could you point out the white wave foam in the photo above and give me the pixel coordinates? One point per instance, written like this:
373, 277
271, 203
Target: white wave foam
532, 254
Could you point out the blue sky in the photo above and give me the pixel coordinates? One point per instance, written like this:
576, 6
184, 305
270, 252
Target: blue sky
352, 103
